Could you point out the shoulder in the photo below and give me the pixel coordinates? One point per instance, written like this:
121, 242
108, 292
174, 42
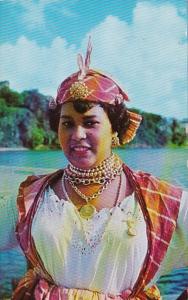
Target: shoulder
39, 179
137, 175
35, 183
31, 188
31, 184
153, 184
31, 179
159, 195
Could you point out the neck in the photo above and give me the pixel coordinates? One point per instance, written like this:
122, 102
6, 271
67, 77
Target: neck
106, 171
99, 166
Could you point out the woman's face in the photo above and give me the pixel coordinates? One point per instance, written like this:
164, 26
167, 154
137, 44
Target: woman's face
85, 137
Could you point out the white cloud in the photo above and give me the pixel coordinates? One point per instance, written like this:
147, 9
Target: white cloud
34, 15
146, 56
34, 12
29, 66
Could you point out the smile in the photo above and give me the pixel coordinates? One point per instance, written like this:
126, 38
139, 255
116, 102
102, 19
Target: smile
80, 149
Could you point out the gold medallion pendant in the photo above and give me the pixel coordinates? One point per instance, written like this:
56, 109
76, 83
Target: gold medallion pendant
131, 223
87, 211
132, 231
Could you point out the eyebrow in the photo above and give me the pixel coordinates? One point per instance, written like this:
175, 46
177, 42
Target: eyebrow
65, 116
84, 117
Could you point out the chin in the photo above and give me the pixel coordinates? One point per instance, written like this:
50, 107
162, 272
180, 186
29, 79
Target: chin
82, 162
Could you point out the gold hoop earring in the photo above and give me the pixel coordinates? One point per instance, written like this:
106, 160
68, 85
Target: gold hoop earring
115, 140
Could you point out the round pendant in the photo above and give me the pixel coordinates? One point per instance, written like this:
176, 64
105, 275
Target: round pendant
132, 231
87, 211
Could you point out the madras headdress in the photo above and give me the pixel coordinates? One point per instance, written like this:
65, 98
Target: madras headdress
91, 85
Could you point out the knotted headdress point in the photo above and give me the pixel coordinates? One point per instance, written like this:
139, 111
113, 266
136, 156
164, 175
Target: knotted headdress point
91, 85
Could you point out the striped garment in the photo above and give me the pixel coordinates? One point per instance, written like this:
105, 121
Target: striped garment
160, 204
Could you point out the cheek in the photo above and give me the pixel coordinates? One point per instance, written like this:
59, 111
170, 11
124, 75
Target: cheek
107, 131
105, 137
62, 137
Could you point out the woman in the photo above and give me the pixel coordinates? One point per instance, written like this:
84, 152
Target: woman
97, 229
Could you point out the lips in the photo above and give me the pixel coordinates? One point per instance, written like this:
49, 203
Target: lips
80, 149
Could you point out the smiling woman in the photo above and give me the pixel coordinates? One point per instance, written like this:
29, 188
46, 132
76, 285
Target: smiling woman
82, 135
97, 229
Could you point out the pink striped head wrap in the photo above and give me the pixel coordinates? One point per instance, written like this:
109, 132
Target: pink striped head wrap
91, 85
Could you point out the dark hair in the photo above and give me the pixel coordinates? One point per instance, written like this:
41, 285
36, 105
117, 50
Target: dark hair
117, 114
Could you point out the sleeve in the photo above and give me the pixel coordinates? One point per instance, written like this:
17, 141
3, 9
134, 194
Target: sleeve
8, 220
177, 253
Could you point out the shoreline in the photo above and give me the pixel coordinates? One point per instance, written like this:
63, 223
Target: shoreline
143, 147
14, 149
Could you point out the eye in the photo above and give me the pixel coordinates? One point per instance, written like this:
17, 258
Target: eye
67, 124
90, 123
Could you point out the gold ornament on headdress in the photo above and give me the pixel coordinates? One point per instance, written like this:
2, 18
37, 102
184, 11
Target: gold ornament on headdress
79, 90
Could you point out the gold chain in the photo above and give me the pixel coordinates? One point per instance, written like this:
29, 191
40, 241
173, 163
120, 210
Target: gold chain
103, 174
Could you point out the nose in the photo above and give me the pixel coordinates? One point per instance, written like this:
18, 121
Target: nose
79, 133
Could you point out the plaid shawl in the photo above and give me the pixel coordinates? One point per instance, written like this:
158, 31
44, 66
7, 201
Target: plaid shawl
159, 202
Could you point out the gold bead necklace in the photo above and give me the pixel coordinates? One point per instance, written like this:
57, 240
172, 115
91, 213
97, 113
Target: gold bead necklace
103, 174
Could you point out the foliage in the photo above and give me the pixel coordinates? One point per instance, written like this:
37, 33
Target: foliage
12, 98
178, 134
36, 135
24, 122
158, 131
153, 131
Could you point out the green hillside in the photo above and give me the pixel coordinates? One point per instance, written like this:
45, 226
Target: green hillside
24, 123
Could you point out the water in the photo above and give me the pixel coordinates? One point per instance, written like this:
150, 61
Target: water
169, 164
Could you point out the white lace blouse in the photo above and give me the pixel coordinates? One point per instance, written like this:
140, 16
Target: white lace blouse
97, 254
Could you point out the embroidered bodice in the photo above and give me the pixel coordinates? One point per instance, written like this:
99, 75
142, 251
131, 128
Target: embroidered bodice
159, 202
66, 243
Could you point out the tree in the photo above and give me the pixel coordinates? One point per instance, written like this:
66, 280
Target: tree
36, 136
153, 130
24, 121
178, 134
12, 98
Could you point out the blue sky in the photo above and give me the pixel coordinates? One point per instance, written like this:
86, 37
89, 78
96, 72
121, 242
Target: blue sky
141, 44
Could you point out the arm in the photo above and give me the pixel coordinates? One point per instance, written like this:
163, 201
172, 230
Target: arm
8, 219
177, 254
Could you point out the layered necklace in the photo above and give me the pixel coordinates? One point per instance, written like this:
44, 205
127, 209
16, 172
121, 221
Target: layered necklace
103, 175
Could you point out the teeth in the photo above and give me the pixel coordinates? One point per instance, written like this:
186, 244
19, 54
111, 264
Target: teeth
80, 148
